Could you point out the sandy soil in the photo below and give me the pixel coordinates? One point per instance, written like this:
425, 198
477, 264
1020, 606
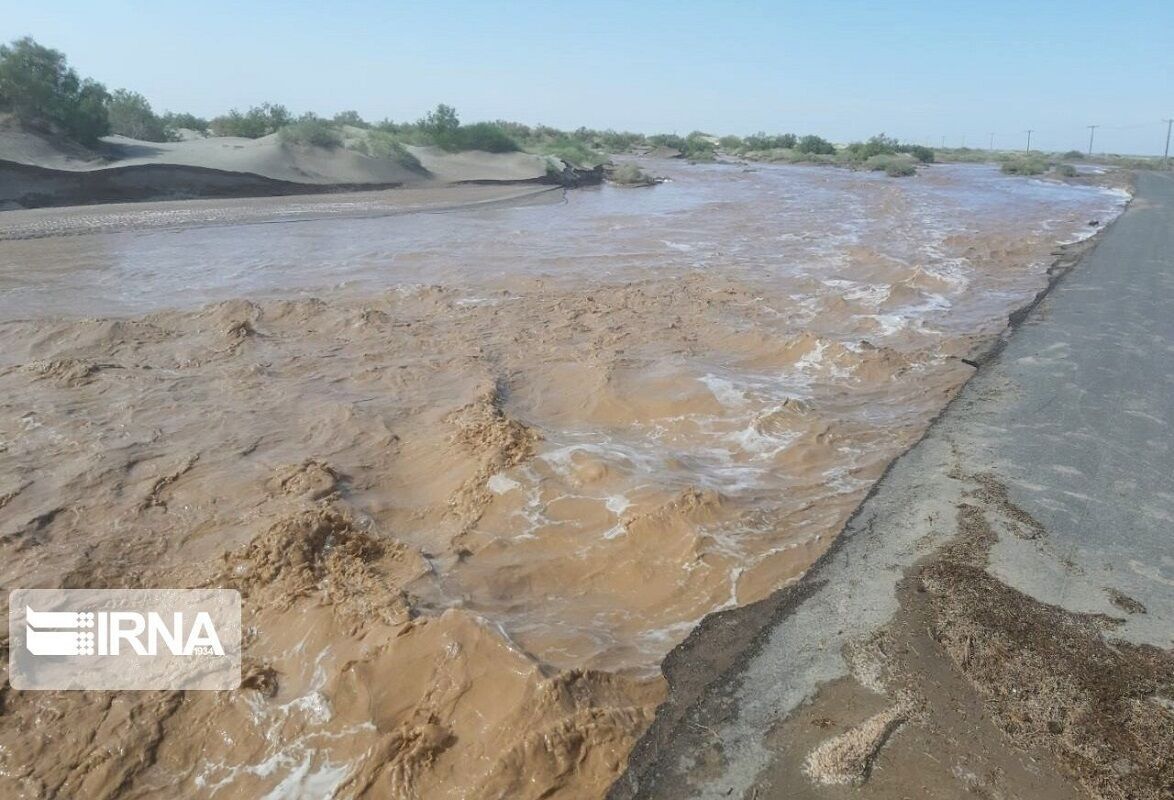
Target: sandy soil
998, 695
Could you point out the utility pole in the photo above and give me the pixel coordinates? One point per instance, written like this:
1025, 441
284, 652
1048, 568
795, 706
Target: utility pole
992, 145
1166, 156
943, 142
1029, 140
1091, 130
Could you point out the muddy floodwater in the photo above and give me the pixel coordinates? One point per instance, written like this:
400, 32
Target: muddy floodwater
475, 470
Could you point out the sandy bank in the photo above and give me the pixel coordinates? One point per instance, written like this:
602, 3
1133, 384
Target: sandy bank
37, 170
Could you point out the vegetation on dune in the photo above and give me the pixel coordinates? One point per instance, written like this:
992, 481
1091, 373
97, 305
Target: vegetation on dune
895, 165
761, 141
882, 145
38, 87
258, 121
42, 90
631, 175
311, 131
1029, 164
815, 145
131, 115
381, 144
191, 122
350, 118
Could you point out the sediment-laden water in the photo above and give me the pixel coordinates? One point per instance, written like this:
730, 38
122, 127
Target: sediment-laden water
475, 471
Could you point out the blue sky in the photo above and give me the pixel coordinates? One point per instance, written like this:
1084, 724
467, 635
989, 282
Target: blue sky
917, 70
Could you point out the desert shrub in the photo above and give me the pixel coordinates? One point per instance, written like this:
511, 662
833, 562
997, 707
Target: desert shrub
815, 145
258, 121
762, 141
1065, 170
442, 127
922, 153
131, 115
479, 136
38, 86
351, 118
572, 151
311, 131
618, 141
441, 121
698, 147
892, 164
1025, 165
383, 144
1073, 155
189, 121
670, 140
876, 146
631, 175
731, 143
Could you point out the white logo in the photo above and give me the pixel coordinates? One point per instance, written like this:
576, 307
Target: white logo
124, 639
115, 629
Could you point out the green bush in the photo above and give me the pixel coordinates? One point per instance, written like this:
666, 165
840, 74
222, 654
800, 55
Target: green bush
892, 164
670, 140
815, 145
442, 121
618, 141
258, 121
731, 144
1025, 165
761, 141
923, 154
478, 136
698, 147
572, 151
1073, 155
382, 144
131, 115
188, 121
1066, 170
631, 175
39, 88
351, 118
310, 131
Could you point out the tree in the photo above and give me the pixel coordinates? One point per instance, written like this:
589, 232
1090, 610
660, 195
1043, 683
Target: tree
183, 120
39, 87
258, 121
351, 118
131, 115
441, 122
815, 145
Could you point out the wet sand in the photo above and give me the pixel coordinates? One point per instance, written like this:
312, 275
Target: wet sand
475, 472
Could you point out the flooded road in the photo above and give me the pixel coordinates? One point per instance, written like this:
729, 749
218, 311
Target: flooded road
475, 470
768, 222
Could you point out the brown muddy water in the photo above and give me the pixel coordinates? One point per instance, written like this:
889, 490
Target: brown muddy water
475, 471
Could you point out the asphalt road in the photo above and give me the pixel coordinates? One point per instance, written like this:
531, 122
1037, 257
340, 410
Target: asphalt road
1072, 413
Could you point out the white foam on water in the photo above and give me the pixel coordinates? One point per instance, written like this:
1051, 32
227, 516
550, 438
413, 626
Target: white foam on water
500, 483
724, 391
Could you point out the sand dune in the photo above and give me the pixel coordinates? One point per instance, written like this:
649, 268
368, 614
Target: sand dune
39, 170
